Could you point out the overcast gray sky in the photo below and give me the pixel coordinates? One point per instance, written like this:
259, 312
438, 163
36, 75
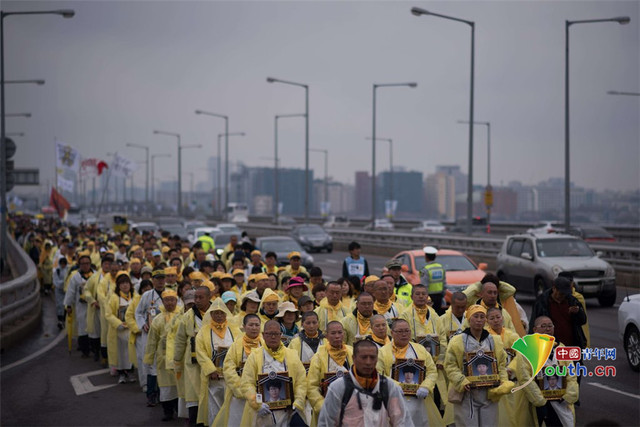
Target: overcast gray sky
118, 70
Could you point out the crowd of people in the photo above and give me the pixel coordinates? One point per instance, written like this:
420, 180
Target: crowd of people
236, 340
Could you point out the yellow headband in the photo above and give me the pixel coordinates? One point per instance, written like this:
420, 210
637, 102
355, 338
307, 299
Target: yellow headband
475, 308
169, 293
170, 270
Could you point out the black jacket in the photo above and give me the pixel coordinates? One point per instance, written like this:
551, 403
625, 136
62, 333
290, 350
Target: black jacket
541, 308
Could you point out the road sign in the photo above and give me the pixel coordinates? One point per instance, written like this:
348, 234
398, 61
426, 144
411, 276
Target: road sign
488, 196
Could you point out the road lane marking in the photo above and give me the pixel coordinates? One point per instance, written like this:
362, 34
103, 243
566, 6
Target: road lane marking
635, 396
332, 261
43, 350
83, 385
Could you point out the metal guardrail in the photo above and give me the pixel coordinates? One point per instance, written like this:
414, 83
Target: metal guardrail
19, 297
622, 259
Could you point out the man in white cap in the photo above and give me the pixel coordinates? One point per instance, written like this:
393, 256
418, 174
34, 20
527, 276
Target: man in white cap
433, 276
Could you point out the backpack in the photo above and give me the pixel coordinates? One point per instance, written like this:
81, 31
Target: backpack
383, 394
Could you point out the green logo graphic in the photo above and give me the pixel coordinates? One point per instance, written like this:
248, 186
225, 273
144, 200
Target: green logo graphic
536, 349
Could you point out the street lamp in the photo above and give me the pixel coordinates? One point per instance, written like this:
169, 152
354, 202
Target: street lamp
567, 177
226, 151
153, 178
373, 143
226, 168
326, 172
276, 172
418, 12
65, 13
25, 115
306, 140
615, 92
146, 148
390, 141
488, 196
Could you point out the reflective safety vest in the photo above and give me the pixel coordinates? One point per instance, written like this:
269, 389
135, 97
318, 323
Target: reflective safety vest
403, 293
433, 272
207, 243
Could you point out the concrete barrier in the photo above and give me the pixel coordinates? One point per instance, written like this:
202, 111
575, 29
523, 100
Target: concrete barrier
20, 304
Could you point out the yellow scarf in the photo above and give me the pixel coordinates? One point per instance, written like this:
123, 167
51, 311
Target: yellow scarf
364, 323
220, 329
487, 307
393, 297
421, 313
337, 354
399, 352
379, 341
293, 299
332, 311
366, 383
492, 332
250, 343
277, 354
124, 296
382, 308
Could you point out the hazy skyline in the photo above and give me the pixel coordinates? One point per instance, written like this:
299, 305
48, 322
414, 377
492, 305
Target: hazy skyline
119, 70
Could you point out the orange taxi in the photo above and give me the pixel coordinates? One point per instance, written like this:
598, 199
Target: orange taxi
461, 271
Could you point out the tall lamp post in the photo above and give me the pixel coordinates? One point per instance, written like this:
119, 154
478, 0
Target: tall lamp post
390, 141
326, 172
65, 13
306, 139
146, 148
226, 160
226, 168
153, 177
373, 143
38, 82
419, 12
567, 177
488, 195
276, 213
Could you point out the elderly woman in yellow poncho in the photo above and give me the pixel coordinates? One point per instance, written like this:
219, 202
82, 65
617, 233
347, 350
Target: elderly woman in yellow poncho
118, 334
421, 407
273, 357
213, 340
476, 406
268, 306
233, 407
156, 350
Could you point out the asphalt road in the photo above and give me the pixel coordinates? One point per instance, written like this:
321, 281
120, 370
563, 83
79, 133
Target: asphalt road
40, 391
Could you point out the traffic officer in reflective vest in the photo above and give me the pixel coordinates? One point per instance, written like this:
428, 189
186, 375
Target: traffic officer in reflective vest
434, 278
401, 288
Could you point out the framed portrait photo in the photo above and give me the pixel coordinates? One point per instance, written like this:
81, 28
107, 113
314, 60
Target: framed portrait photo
553, 387
409, 373
431, 342
330, 377
218, 357
276, 389
482, 369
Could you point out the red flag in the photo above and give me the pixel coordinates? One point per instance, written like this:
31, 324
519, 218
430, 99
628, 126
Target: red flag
58, 202
102, 166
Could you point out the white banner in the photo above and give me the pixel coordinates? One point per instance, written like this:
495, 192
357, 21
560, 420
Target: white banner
89, 168
65, 184
67, 158
325, 208
122, 166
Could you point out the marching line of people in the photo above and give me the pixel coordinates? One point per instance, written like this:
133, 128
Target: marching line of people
238, 341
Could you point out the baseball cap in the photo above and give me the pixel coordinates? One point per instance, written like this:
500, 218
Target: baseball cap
304, 300
189, 296
394, 263
228, 296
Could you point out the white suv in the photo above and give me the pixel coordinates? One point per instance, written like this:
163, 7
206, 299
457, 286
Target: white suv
530, 262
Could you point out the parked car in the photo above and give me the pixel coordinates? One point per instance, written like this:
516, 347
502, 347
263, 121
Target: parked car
629, 329
530, 262
229, 228
590, 233
286, 221
336, 222
545, 227
380, 225
282, 245
146, 226
430, 226
312, 237
461, 271
478, 225
176, 229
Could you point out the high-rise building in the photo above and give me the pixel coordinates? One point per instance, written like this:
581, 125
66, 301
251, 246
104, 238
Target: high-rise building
363, 194
407, 191
459, 177
440, 196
